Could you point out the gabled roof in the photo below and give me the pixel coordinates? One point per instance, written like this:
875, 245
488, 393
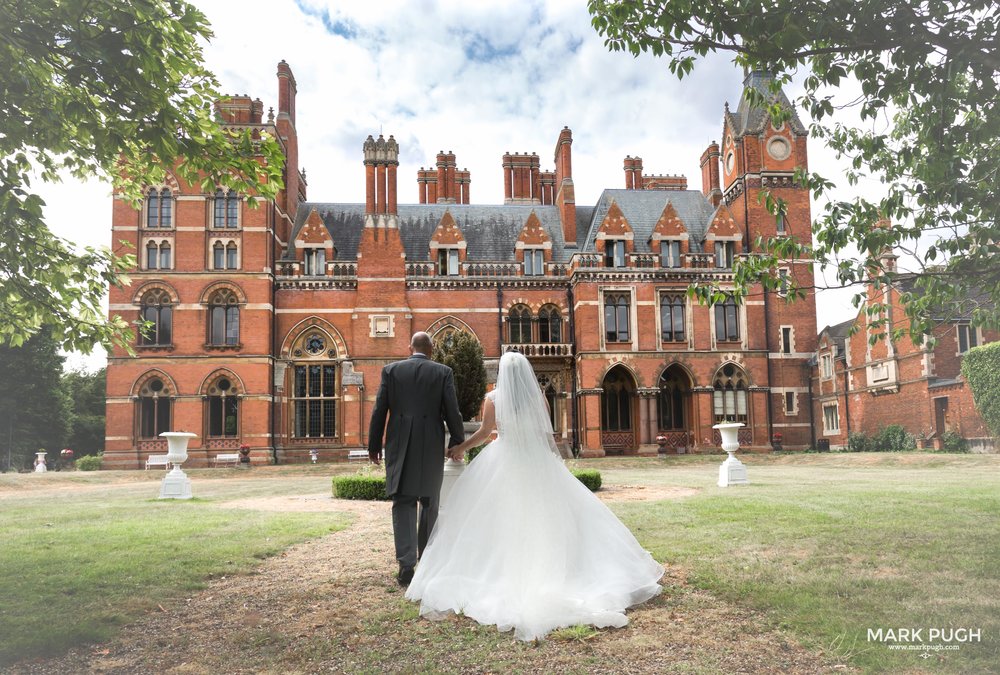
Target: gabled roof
838, 334
490, 231
747, 119
642, 209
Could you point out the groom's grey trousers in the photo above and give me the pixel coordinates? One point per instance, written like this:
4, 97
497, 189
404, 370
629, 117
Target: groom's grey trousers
410, 531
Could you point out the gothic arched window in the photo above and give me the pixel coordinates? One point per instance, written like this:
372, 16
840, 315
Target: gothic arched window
154, 408
152, 256
520, 325
159, 208
164, 256
674, 389
218, 256
729, 398
224, 318
616, 401
223, 408
549, 324
314, 389
231, 256
155, 308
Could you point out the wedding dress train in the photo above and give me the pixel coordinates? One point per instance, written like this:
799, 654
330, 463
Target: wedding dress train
522, 544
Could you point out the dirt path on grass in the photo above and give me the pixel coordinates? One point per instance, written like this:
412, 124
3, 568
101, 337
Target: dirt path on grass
332, 605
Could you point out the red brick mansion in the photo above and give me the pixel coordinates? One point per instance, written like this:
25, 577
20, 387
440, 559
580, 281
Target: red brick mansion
271, 325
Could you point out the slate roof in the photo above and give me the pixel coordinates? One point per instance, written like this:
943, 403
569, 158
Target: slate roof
490, 231
838, 334
752, 120
642, 208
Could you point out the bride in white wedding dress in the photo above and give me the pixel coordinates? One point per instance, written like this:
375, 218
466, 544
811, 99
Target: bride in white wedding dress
521, 543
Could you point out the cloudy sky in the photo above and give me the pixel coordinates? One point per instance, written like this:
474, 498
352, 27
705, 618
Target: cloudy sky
477, 78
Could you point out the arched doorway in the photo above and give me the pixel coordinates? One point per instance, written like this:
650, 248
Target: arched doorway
673, 407
617, 411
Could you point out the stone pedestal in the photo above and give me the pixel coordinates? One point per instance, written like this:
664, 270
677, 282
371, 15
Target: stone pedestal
40, 463
732, 471
176, 484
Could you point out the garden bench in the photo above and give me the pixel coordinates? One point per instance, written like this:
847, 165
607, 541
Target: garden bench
226, 458
357, 454
156, 460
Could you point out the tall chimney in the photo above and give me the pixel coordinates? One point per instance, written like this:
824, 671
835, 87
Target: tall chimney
369, 152
629, 185
565, 192
508, 180
710, 174
392, 161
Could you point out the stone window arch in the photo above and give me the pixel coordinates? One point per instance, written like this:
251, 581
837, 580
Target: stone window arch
730, 397
315, 386
154, 409
224, 318
156, 307
549, 324
222, 392
519, 322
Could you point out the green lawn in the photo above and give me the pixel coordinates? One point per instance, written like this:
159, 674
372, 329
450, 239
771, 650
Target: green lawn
85, 553
829, 546
824, 546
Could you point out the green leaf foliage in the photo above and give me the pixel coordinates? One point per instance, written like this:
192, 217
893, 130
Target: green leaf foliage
981, 369
34, 410
359, 487
85, 393
589, 477
924, 80
116, 90
462, 353
89, 463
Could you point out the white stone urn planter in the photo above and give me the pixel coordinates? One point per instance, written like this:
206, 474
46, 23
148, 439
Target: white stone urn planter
176, 484
732, 471
40, 462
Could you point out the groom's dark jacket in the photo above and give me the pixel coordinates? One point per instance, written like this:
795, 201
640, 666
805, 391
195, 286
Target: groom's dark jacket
418, 395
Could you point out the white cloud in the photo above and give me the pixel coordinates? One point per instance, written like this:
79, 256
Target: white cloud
404, 69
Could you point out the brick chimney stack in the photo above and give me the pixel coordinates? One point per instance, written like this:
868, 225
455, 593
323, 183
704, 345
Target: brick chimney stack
521, 178
446, 177
381, 159
710, 174
285, 128
565, 192
633, 173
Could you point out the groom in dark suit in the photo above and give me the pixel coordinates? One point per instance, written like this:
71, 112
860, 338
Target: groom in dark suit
418, 395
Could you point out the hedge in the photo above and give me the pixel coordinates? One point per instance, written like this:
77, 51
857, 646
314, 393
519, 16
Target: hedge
373, 487
589, 477
981, 369
359, 487
89, 463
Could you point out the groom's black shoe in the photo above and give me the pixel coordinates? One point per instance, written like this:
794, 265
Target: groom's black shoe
405, 576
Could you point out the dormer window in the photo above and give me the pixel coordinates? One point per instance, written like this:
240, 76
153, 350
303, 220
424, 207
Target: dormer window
314, 262
724, 254
447, 263
534, 262
670, 253
614, 253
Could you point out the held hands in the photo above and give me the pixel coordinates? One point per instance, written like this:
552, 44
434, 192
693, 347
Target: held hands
457, 452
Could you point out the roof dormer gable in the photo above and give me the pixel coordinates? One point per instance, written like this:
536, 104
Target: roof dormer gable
314, 231
447, 232
723, 225
533, 234
669, 225
614, 225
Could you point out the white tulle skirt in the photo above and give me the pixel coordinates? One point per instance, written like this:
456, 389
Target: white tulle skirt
523, 545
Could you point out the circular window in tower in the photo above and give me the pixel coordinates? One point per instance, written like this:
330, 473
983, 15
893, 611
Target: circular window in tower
730, 162
315, 344
779, 148
224, 384
156, 385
